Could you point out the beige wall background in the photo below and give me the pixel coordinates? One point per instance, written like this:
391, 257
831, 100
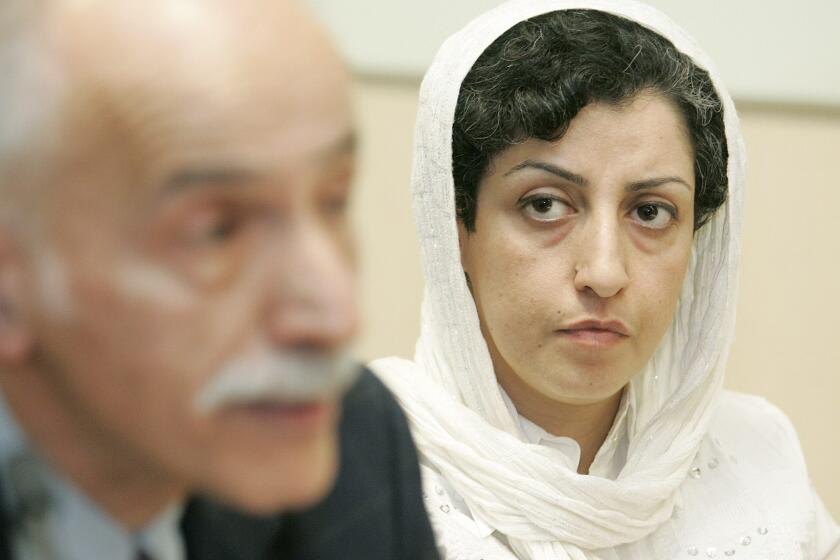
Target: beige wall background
787, 345
400, 37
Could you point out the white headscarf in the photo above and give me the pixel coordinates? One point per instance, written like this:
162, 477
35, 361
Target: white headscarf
460, 421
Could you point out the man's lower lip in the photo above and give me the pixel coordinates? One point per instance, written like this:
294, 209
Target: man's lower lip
302, 416
592, 337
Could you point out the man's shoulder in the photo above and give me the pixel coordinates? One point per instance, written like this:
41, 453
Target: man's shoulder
370, 411
375, 448
374, 511
369, 396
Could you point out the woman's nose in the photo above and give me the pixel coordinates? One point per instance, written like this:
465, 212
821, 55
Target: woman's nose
600, 261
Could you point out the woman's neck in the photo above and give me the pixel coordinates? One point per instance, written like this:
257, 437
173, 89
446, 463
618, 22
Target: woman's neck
586, 423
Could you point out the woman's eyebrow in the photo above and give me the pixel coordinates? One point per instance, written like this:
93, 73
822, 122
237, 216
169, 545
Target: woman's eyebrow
550, 168
656, 182
582, 182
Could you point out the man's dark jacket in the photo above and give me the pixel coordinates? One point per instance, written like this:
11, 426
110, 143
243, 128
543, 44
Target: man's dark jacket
374, 512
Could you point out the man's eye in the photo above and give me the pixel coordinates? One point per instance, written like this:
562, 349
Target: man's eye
335, 206
221, 231
212, 228
545, 208
653, 216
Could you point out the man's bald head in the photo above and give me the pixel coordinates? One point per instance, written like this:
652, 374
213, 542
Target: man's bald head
30, 94
66, 63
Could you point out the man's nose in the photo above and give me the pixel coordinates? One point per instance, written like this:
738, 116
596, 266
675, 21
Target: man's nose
313, 295
600, 265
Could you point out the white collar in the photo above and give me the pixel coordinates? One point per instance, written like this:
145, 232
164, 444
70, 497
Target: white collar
569, 449
73, 527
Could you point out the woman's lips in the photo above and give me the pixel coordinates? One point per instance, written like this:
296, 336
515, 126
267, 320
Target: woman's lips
595, 333
592, 337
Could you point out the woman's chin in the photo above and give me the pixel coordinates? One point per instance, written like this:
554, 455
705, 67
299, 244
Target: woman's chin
580, 386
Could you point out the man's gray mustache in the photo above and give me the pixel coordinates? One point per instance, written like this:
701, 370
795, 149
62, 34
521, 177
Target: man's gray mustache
286, 377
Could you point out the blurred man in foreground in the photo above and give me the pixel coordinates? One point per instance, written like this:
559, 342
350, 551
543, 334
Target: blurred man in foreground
176, 293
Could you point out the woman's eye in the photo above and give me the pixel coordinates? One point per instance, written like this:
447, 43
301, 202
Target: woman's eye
545, 208
653, 216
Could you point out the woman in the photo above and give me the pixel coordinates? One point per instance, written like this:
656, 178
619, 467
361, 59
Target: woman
578, 184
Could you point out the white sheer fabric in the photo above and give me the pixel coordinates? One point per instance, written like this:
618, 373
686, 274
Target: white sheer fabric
747, 496
489, 486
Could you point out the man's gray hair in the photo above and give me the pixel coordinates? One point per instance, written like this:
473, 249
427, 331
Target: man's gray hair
31, 87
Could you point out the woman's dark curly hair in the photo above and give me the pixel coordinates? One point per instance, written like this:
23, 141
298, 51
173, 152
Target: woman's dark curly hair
533, 80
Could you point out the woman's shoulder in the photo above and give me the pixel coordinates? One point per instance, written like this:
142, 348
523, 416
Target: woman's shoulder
748, 406
761, 445
752, 427
752, 423
751, 467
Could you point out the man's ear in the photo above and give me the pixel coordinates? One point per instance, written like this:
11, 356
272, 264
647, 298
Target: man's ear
15, 328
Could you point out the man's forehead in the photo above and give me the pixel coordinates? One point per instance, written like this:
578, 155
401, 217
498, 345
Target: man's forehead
233, 171
205, 75
165, 38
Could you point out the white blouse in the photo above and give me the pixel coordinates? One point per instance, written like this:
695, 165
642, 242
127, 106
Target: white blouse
750, 461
